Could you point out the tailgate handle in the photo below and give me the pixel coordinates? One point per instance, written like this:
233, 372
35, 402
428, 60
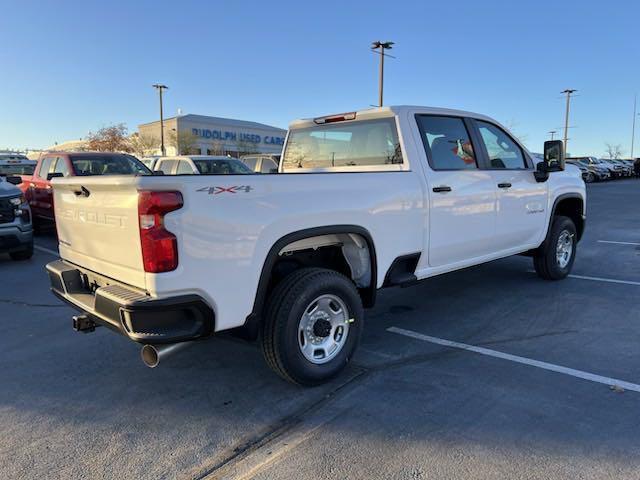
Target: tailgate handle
82, 192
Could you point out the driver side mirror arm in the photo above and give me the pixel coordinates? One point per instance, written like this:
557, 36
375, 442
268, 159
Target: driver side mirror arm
541, 173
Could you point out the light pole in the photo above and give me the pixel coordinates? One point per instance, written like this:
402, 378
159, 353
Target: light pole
160, 88
568, 91
382, 46
553, 133
633, 129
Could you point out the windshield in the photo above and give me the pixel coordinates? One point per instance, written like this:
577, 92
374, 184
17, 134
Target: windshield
343, 144
85, 165
17, 169
221, 167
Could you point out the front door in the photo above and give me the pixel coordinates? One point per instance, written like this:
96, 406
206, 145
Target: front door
462, 197
521, 201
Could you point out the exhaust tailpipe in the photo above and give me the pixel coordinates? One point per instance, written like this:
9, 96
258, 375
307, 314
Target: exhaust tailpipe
152, 354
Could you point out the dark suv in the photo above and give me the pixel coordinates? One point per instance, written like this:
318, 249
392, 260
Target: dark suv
16, 232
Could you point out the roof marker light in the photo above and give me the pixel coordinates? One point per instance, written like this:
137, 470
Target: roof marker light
340, 117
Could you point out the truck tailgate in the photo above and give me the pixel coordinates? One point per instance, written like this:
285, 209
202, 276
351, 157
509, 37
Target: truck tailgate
97, 223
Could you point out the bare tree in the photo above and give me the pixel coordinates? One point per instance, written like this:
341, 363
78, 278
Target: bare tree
245, 147
109, 139
217, 148
512, 126
614, 151
183, 141
143, 144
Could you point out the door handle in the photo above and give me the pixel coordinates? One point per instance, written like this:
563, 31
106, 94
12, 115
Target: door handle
442, 188
504, 185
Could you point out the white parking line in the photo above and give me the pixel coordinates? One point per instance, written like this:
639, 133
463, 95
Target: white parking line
614, 382
599, 279
46, 250
619, 243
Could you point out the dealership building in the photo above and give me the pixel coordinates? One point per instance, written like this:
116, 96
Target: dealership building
203, 135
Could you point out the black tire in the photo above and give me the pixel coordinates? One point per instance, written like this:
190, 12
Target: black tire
545, 260
25, 254
590, 178
285, 308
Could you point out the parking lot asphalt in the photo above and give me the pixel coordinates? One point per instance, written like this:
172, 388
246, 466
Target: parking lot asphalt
532, 387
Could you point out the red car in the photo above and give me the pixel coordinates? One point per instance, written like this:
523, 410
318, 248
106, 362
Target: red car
37, 187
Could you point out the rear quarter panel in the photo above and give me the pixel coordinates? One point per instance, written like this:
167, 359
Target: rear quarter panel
224, 233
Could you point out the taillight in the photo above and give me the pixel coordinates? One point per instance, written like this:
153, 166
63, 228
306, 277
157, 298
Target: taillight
159, 246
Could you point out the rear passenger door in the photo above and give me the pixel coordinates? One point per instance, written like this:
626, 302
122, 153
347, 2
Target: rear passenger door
521, 201
462, 197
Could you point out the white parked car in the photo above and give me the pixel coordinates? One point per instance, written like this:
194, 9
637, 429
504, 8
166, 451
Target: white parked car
200, 165
364, 200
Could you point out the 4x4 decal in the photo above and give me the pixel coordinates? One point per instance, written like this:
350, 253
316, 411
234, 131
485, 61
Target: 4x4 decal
218, 190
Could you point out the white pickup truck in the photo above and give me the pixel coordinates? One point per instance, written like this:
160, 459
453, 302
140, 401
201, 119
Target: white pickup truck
362, 201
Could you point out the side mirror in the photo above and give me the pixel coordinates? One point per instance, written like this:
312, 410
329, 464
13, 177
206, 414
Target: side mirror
554, 155
54, 175
14, 180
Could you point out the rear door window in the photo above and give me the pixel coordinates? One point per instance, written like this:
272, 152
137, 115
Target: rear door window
447, 143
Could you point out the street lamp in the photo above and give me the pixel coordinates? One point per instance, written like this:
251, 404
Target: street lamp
633, 130
160, 88
568, 92
382, 46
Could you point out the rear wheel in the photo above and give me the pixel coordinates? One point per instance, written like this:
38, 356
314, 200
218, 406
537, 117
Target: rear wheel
554, 258
312, 325
589, 178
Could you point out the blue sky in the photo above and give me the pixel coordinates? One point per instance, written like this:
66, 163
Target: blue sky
71, 67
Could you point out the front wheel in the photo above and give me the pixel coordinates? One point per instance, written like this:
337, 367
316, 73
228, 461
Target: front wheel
312, 325
589, 178
554, 258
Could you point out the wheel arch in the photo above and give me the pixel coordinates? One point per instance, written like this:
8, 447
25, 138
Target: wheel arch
570, 205
265, 284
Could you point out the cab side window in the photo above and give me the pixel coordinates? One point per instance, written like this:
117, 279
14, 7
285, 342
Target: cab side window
61, 167
447, 143
268, 166
503, 152
250, 162
166, 166
184, 168
45, 165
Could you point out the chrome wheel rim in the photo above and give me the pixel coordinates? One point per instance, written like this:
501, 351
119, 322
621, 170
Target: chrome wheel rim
564, 248
323, 329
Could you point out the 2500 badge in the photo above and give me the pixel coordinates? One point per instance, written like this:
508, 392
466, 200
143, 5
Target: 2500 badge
218, 190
